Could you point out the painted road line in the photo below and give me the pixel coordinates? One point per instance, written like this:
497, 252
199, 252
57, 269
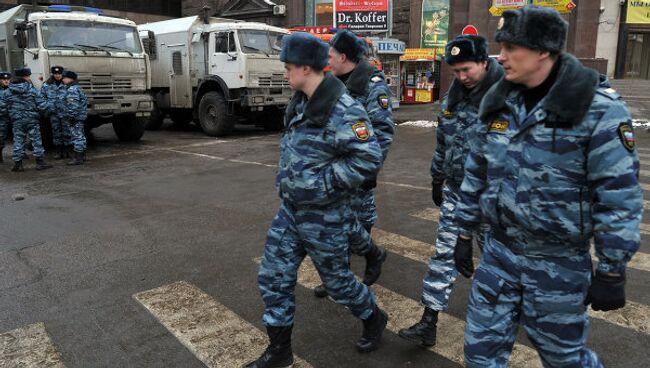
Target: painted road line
404, 312
427, 214
634, 316
216, 335
29, 347
400, 185
212, 157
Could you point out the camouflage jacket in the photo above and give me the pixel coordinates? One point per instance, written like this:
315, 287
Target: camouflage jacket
24, 102
368, 86
562, 174
4, 112
53, 93
328, 148
74, 104
458, 126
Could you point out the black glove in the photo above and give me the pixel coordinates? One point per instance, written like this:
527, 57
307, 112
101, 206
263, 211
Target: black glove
369, 185
606, 292
436, 193
463, 257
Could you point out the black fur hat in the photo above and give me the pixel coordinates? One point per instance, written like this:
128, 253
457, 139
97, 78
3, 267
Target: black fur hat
5, 75
70, 74
466, 48
304, 49
57, 70
23, 72
534, 27
349, 44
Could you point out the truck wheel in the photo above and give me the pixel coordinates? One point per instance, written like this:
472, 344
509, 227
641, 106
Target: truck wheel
181, 117
213, 115
156, 119
130, 129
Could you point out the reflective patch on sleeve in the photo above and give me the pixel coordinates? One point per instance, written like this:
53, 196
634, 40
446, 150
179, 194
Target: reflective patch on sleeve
447, 113
361, 130
626, 134
376, 79
498, 126
384, 101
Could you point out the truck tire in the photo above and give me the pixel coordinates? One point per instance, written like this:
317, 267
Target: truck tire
213, 115
156, 119
130, 129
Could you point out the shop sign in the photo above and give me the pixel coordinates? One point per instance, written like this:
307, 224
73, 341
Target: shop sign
389, 47
638, 12
562, 6
361, 15
418, 54
435, 24
499, 6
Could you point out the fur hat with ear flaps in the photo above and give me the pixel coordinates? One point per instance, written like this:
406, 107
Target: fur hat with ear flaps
302, 48
466, 48
534, 27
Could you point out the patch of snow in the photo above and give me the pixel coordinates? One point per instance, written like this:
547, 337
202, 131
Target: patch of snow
421, 124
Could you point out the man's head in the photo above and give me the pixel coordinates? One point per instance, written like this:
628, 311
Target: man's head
69, 77
346, 50
24, 73
57, 72
467, 56
305, 57
5, 79
531, 38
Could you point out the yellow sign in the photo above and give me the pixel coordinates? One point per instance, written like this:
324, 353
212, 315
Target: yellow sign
562, 6
423, 96
418, 54
638, 12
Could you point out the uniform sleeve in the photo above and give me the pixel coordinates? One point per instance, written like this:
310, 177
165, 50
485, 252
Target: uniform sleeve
437, 164
380, 112
468, 211
73, 104
41, 102
616, 197
360, 158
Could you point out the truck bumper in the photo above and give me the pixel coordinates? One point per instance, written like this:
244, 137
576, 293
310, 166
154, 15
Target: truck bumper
140, 105
260, 97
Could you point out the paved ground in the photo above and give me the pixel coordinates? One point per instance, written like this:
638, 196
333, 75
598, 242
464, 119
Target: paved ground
147, 257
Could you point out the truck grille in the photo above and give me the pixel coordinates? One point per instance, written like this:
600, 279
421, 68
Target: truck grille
105, 86
272, 80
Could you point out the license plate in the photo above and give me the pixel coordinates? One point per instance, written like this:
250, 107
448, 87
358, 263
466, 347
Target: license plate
106, 107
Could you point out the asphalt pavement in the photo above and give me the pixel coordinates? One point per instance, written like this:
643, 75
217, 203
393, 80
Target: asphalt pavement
147, 256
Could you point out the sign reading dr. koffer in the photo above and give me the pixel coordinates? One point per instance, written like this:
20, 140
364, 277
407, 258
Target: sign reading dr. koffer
361, 15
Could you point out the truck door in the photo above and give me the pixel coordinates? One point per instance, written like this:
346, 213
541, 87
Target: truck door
32, 60
179, 76
223, 62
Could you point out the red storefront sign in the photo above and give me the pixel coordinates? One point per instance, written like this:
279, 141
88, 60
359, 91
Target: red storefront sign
361, 15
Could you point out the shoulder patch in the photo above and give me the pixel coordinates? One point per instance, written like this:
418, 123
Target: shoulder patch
447, 114
360, 130
626, 135
376, 79
383, 101
498, 126
610, 93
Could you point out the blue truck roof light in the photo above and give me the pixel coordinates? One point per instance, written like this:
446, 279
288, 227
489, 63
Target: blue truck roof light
94, 10
59, 8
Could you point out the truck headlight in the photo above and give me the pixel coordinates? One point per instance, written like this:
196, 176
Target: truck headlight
145, 105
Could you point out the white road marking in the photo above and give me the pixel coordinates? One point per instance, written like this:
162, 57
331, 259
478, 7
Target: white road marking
29, 347
211, 331
218, 158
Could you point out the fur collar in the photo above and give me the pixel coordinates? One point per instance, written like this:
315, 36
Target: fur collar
567, 101
319, 107
358, 81
457, 92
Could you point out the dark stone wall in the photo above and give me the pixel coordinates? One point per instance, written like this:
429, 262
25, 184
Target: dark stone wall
170, 8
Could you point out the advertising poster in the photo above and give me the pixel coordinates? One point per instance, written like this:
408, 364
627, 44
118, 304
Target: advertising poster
638, 12
435, 24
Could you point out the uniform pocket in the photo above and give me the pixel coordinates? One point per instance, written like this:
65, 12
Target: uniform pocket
483, 301
563, 213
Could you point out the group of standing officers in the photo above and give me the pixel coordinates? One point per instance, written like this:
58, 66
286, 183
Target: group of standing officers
535, 157
23, 107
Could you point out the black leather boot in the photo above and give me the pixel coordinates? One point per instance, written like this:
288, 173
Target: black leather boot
424, 332
18, 167
41, 164
278, 354
60, 153
373, 328
374, 260
77, 159
320, 291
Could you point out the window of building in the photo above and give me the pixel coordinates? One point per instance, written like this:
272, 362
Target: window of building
324, 12
637, 61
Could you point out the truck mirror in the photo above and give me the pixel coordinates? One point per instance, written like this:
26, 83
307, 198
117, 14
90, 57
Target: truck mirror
20, 34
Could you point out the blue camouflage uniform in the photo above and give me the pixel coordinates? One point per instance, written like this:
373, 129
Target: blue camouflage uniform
74, 111
458, 129
327, 151
25, 105
368, 86
54, 92
5, 122
548, 180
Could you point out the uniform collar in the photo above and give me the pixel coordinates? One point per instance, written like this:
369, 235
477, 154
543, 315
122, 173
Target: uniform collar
567, 101
357, 83
457, 92
319, 107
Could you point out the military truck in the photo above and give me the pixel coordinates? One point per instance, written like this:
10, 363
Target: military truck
216, 72
105, 52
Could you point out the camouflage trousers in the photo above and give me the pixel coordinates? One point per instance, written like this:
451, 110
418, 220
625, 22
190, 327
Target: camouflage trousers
545, 293
4, 131
61, 131
78, 136
442, 273
365, 209
322, 234
23, 130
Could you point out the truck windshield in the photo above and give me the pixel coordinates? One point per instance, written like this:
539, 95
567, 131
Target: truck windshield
260, 42
77, 34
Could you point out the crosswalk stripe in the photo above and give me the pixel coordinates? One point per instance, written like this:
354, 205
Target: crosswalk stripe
211, 331
634, 316
29, 347
404, 312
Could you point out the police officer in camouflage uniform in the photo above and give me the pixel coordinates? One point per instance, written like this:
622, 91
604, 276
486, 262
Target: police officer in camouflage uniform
458, 128
368, 86
53, 91
74, 111
5, 122
328, 151
25, 105
558, 168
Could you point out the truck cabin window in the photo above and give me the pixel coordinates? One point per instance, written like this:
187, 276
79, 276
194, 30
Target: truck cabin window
225, 42
90, 36
260, 42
